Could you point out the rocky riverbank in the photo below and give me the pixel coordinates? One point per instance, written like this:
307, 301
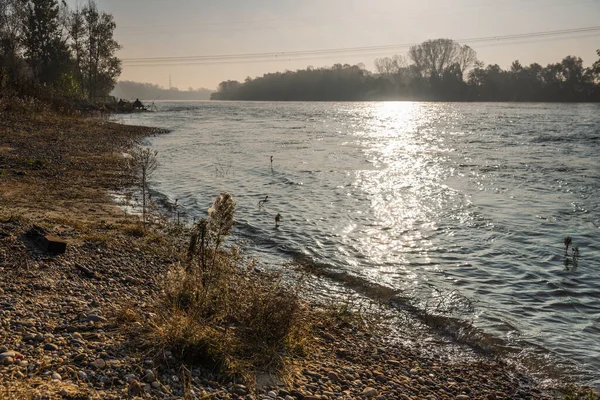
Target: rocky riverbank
66, 321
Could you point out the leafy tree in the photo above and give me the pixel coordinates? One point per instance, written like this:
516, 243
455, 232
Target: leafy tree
596, 66
46, 50
94, 48
11, 28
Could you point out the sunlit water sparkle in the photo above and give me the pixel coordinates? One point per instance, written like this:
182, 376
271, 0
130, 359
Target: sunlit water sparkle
469, 199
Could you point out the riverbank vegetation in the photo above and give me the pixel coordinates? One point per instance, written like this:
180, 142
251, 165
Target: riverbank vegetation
436, 70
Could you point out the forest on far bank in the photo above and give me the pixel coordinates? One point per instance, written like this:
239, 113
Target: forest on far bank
435, 70
130, 90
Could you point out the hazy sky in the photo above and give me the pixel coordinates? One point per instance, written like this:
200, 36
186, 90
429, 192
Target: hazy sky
182, 28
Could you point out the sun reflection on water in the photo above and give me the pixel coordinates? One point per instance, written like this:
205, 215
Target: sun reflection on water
405, 190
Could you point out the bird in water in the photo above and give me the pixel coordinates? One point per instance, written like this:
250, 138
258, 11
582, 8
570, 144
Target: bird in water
277, 220
261, 203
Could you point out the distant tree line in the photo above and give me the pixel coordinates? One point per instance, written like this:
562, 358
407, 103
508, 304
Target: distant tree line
147, 91
438, 70
44, 44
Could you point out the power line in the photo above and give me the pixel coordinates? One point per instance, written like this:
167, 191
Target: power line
349, 51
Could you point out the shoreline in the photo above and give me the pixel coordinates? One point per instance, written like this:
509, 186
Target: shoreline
62, 315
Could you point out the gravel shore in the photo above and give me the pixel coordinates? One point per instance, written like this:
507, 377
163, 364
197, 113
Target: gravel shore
66, 321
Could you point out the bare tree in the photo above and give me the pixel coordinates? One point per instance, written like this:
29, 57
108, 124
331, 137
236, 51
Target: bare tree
390, 65
467, 59
433, 58
144, 163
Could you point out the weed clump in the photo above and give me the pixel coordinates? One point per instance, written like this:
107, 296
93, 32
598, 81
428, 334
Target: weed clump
216, 311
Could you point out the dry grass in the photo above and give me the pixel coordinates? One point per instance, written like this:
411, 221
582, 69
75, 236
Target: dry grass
239, 324
39, 389
217, 312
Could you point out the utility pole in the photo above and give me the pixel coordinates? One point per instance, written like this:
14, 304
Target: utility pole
170, 86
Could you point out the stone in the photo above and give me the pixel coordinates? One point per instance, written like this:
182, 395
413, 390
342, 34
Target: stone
9, 354
98, 363
333, 376
134, 389
96, 318
82, 375
6, 361
56, 377
28, 337
149, 376
462, 397
369, 392
50, 347
155, 384
51, 244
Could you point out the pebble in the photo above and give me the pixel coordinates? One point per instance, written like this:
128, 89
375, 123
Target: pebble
149, 376
8, 354
98, 363
96, 318
135, 388
50, 347
369, 392
6, 361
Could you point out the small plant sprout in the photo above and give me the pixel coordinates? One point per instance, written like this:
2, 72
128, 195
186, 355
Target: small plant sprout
176, 213
144, 163
261, 203
567, 241
221, 218
277, 220
575, 255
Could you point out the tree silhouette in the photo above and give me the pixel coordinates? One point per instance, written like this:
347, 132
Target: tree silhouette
46, 50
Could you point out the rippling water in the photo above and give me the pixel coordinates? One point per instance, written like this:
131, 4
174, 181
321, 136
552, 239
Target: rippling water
470, 201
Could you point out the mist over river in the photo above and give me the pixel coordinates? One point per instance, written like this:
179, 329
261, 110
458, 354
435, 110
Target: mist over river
471, 200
